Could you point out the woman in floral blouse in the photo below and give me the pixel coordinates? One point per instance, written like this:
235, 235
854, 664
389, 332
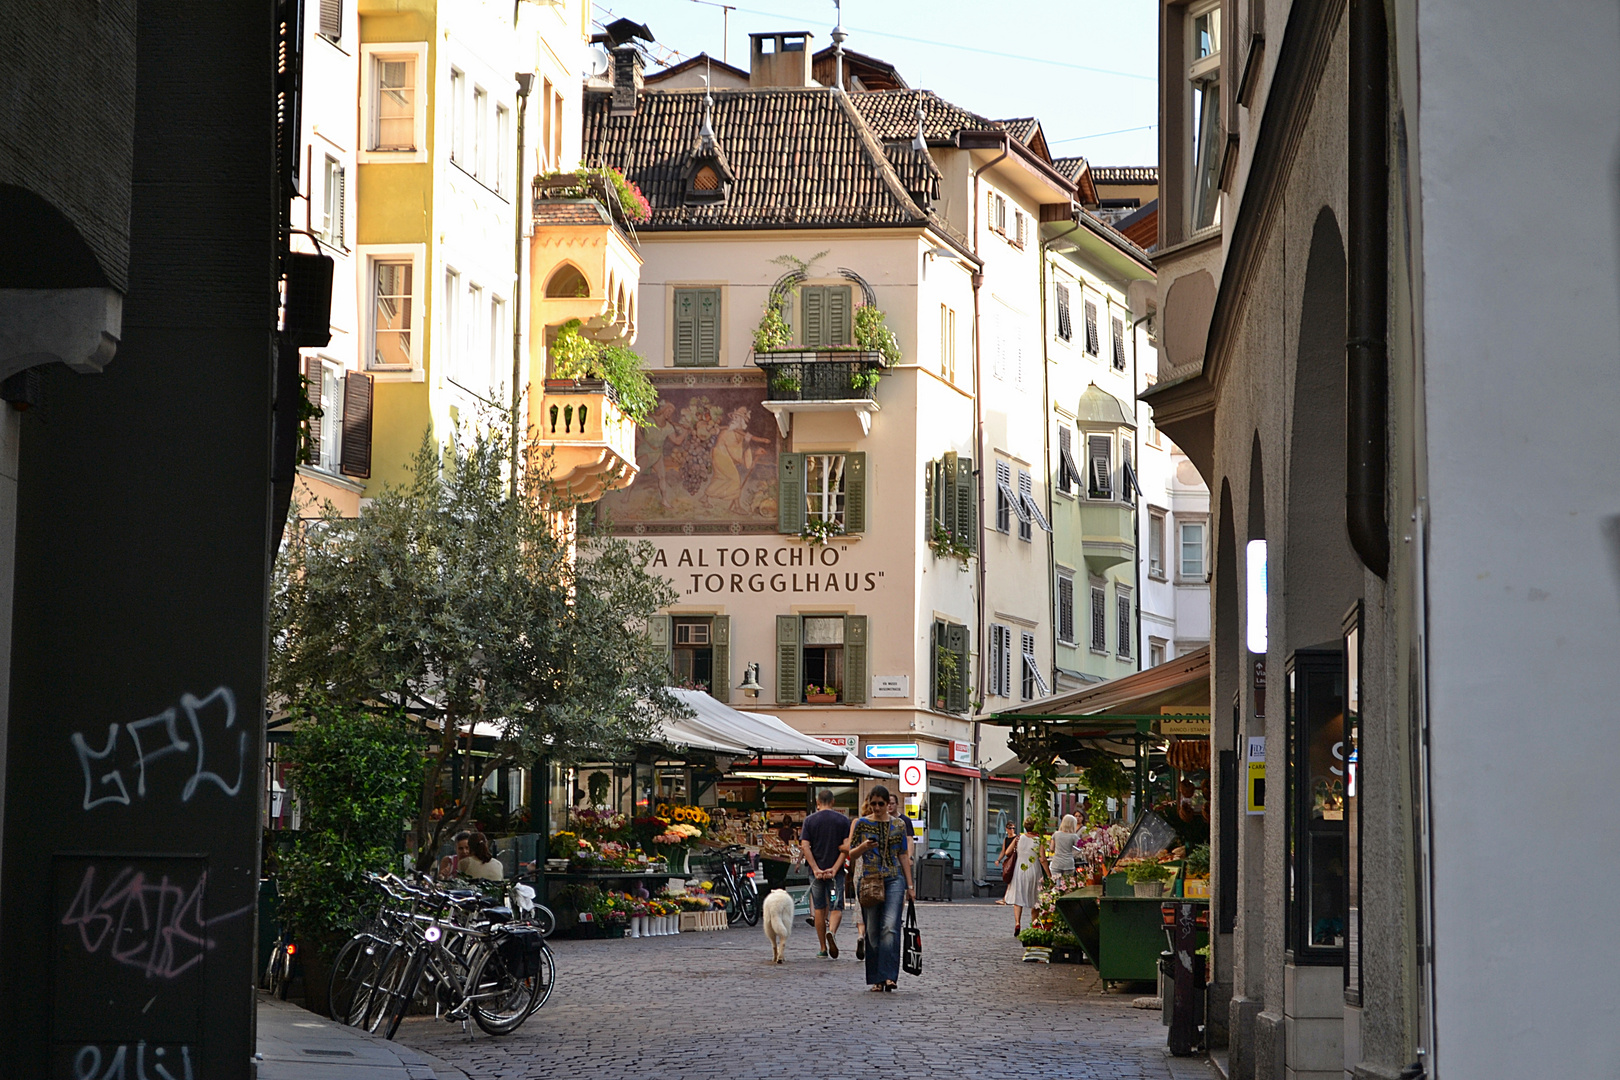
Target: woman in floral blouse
886, 849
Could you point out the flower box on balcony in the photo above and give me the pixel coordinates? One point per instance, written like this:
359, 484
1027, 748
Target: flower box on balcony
821, 699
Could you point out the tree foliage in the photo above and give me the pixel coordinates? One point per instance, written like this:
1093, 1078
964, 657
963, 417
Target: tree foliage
356, 775
458, 603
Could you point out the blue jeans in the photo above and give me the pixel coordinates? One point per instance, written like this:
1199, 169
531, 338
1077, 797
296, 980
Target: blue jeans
883, 933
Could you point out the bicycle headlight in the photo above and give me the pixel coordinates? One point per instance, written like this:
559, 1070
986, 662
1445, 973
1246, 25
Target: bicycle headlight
433, 933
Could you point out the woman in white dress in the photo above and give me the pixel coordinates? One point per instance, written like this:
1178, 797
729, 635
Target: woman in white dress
1025, 890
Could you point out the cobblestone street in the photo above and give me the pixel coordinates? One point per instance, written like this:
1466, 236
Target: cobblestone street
712, 1005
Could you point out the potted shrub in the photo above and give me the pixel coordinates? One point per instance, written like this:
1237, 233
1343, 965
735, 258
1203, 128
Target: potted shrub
1196, 882
1148, 878
871, 334
1037, 942
785, 385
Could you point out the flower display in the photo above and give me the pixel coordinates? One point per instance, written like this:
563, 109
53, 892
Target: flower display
676, 814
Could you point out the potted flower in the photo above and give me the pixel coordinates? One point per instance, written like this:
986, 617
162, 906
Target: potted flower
820, 695
1147, 878
820, 530
1037, 942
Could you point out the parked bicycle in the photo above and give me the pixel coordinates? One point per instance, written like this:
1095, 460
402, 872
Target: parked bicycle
448, 949
737, 880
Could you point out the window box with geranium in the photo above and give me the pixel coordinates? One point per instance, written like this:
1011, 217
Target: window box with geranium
820, 695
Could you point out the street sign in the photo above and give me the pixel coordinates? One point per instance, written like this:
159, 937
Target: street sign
914, 775
961, 752
898, 686
1256, 786
891, 750
851, 743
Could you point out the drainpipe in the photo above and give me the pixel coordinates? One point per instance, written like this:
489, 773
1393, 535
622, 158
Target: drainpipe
1366, 348
525, 81
978, 427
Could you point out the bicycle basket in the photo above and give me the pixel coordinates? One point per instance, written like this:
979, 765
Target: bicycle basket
520, 949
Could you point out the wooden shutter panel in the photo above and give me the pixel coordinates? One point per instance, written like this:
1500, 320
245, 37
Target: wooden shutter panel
930, 471
948, 466
339, 212
967, 504
708, 327
356, 425
855, 493
815, 316
790, 493
787, 660
686, 327
312, 390
839, 316
658, 633
956, 643
855, 659
720, 643
332, 19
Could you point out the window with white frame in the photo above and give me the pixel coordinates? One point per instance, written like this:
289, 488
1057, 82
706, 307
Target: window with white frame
393, 121
1156, 544
324, 387
998, 213
1069, 473
824, 487
477, 348
499, 351
1204, 97
1192, 550
1156, 651
503, 139
1000, 666
458, 116
1065, 319
333, 196
1124, 629
1117, 328
1099, 619
1099, 466
482, 165
1033, 683
393, 313
947, 342
1065, 608
1093, 345
1006, 500
1020, 227
453, 343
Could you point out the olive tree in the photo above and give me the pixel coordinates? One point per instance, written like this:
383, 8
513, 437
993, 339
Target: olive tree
473, 605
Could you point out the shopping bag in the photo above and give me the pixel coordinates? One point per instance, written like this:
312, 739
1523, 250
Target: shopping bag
911, 942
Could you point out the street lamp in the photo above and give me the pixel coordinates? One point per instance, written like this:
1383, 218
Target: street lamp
750, 684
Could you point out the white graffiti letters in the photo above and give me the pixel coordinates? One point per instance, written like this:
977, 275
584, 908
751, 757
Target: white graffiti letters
212, 720
87, 1063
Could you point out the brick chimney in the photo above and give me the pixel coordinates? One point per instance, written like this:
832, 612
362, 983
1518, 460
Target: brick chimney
627, 81
781, 59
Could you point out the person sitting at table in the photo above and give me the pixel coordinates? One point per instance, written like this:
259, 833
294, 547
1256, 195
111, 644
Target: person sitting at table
472, 859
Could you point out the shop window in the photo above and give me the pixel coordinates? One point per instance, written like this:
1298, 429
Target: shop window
1317, 792
1352, 804
830, 489
827, 652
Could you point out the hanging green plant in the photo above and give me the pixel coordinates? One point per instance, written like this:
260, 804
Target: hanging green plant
574, 356
873, 335
1107, 780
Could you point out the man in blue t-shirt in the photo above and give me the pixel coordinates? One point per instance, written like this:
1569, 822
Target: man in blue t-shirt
824, 841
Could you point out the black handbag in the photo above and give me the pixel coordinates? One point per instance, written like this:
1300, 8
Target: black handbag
911, 942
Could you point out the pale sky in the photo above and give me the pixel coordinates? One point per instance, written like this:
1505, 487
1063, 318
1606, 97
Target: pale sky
1086, 68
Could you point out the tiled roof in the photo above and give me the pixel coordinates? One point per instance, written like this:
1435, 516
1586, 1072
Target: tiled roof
570, 212
1125, 174
917, 172
799, 157
701, 60
1023, 128
1072, 167
892, 114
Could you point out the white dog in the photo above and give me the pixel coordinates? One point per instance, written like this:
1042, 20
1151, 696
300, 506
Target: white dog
777, 917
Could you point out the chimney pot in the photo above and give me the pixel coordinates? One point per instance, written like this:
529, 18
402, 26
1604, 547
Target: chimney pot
780, 59
627, 82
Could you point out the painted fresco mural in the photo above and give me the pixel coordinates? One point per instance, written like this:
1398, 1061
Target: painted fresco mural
707, 463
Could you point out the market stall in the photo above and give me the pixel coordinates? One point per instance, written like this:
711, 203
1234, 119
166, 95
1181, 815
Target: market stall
1143, 742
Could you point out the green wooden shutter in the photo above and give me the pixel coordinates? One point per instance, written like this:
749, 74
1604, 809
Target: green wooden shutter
658, 632
947, 511
936, 641
790, 493
956, 642
839, 316
967, 504
708, 327
930, 471
720, 643
787, 660
855, 493
314, 376
815, 316
855, 659
686, 303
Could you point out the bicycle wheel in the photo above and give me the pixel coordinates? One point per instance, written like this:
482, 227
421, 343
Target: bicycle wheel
390, 977
749, 905
348, 971
401, 996
543, 920
501, 1001
547, 976
284, 975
